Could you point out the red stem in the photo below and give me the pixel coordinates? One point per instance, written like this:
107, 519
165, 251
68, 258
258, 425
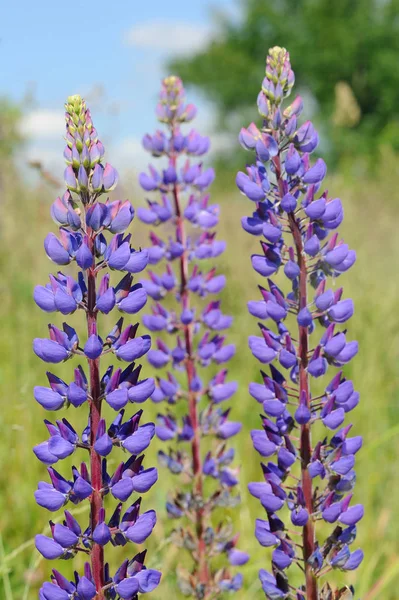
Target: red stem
96, 499
309, 539
202, 570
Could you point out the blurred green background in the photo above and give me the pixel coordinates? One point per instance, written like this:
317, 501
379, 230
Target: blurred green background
345, 55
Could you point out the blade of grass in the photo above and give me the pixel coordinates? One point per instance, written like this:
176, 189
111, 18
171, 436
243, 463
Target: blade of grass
33, 565
6, 579
382, 583
9, 557
369, 574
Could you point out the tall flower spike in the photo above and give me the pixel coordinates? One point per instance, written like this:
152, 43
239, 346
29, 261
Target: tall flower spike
311, 480
196, 340
84, 223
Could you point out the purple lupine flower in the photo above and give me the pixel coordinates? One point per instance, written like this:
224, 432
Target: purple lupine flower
184, 204
84, 222
296, 218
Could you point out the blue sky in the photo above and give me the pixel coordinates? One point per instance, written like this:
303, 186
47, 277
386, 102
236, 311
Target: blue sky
113, 53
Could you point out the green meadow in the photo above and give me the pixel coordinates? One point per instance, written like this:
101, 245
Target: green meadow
371, 202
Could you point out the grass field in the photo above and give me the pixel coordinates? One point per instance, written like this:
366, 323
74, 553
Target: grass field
372, 214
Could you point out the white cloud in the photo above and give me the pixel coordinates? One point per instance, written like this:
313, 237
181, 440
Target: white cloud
128, 153
43, 156
43, 124
49, 157
169, 36
44, 129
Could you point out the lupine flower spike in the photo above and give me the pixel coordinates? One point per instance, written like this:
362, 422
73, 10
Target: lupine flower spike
84, 224
196, 340
302, 332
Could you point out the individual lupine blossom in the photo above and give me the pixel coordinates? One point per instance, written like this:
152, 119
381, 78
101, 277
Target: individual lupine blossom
84, 224
196, 339
302, 332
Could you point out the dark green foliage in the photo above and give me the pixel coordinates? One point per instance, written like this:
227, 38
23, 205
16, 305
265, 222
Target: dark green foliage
351, 41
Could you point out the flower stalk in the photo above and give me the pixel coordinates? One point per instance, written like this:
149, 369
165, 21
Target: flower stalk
84, 223
185, 210
203, 572
96, 500
309, 540
295, 219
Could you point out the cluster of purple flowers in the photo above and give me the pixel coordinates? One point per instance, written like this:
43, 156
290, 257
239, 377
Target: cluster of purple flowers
197, 340
302, 332
84, 223
312, 481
